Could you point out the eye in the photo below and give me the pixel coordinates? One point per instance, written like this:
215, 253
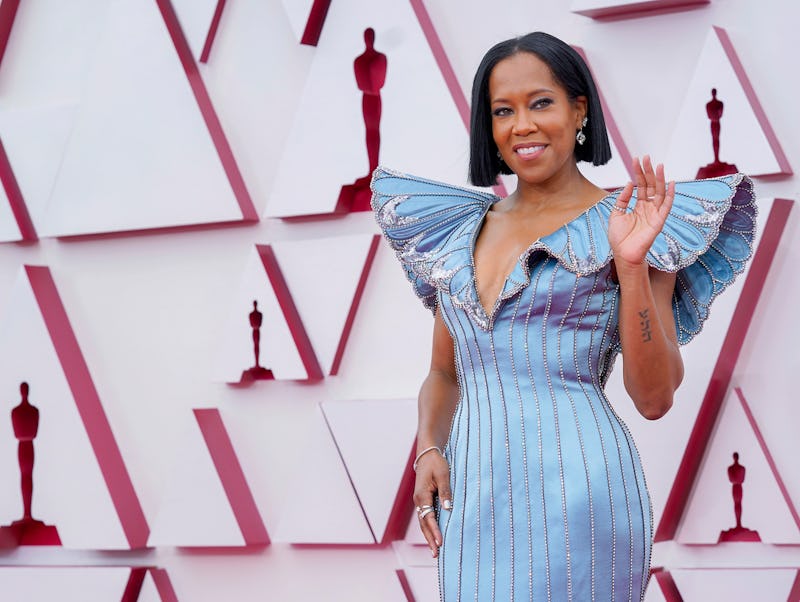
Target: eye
541, 103
501, 112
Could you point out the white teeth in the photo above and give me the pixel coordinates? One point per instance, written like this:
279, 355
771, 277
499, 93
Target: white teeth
529, 150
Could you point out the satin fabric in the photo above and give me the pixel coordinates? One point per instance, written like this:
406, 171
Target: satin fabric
549, 496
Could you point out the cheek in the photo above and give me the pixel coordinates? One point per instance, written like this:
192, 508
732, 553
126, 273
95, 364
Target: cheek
502, 127
497, 133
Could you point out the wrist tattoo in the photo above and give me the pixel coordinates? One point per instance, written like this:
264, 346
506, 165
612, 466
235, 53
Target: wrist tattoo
644, 323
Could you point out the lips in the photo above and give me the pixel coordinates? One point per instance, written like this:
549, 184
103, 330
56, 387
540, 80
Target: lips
529, 151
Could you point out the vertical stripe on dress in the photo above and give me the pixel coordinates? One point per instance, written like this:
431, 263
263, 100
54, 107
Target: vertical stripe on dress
528, 333
616, 423
490, 430
557, 427
599, 317
560, 336
524, 450
507, 449
470, 400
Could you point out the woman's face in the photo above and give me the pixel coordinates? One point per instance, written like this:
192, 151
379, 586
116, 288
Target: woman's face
533, 120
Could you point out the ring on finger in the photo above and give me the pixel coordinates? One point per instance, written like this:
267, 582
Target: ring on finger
425, 512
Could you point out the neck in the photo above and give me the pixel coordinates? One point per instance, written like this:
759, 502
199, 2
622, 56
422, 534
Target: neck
566, 187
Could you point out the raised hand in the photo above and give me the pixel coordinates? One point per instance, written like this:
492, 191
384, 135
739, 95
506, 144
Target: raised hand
631, 231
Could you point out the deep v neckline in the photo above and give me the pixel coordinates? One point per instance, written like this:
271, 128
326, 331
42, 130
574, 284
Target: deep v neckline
489, 315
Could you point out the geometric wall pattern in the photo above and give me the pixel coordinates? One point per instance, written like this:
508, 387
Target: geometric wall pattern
358, 456
300, 337
193, 125
329, 116
620, 9
208, 502
75, 442
745, 132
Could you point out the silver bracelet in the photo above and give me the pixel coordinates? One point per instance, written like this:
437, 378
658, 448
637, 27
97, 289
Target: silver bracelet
425, 451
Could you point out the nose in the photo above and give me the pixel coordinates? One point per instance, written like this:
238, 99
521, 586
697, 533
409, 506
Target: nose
523, 124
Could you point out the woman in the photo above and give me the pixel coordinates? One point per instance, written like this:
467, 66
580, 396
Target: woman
529, 485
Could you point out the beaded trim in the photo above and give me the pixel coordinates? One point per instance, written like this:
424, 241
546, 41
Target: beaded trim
581, 245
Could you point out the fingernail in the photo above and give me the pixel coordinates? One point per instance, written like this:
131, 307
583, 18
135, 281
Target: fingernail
447, 504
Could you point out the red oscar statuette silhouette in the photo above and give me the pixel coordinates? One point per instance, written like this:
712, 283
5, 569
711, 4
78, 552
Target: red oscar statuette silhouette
27, 530
257, 372
714, 109
738, 533
370, 71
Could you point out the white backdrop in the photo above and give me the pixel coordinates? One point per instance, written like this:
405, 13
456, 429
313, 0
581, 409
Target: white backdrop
105, 137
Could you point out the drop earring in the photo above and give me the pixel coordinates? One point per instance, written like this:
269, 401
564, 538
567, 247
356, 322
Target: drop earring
580, 137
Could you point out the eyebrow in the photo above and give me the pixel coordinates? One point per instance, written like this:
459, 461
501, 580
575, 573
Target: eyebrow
531, 93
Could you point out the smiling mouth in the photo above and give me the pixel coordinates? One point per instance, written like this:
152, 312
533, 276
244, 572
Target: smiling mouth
527, 151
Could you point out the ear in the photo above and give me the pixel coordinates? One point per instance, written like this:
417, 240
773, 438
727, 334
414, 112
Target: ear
581, 107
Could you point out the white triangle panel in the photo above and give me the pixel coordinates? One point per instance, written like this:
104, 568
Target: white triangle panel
375, 439
278, 351
252, 50
324, 301
735, 585
195, 511
415, 101
743, 140
65, 584
69, 490
328, 512
140, 155
35, 140
195, 17
50, 50
298, 12
710, 509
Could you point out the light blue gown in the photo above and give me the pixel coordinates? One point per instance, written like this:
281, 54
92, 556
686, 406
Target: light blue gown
550, 501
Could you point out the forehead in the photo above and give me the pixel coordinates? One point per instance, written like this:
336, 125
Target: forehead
521, 73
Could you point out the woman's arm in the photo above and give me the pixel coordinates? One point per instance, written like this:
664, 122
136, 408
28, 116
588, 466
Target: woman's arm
653, 366
438, 397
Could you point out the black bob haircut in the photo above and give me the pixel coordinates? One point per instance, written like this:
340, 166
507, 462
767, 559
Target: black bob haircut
568, 69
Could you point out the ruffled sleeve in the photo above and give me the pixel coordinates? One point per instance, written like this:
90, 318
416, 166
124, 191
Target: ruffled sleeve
430, 227
707, 239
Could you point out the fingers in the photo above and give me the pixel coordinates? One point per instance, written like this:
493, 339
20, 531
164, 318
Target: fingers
659, 183
650, 178
623, 198
650, 183
426, 513
445, 496
639, 178
433, 481
666, 206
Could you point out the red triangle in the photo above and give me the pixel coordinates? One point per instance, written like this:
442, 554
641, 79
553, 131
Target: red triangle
89, 406
14, 195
